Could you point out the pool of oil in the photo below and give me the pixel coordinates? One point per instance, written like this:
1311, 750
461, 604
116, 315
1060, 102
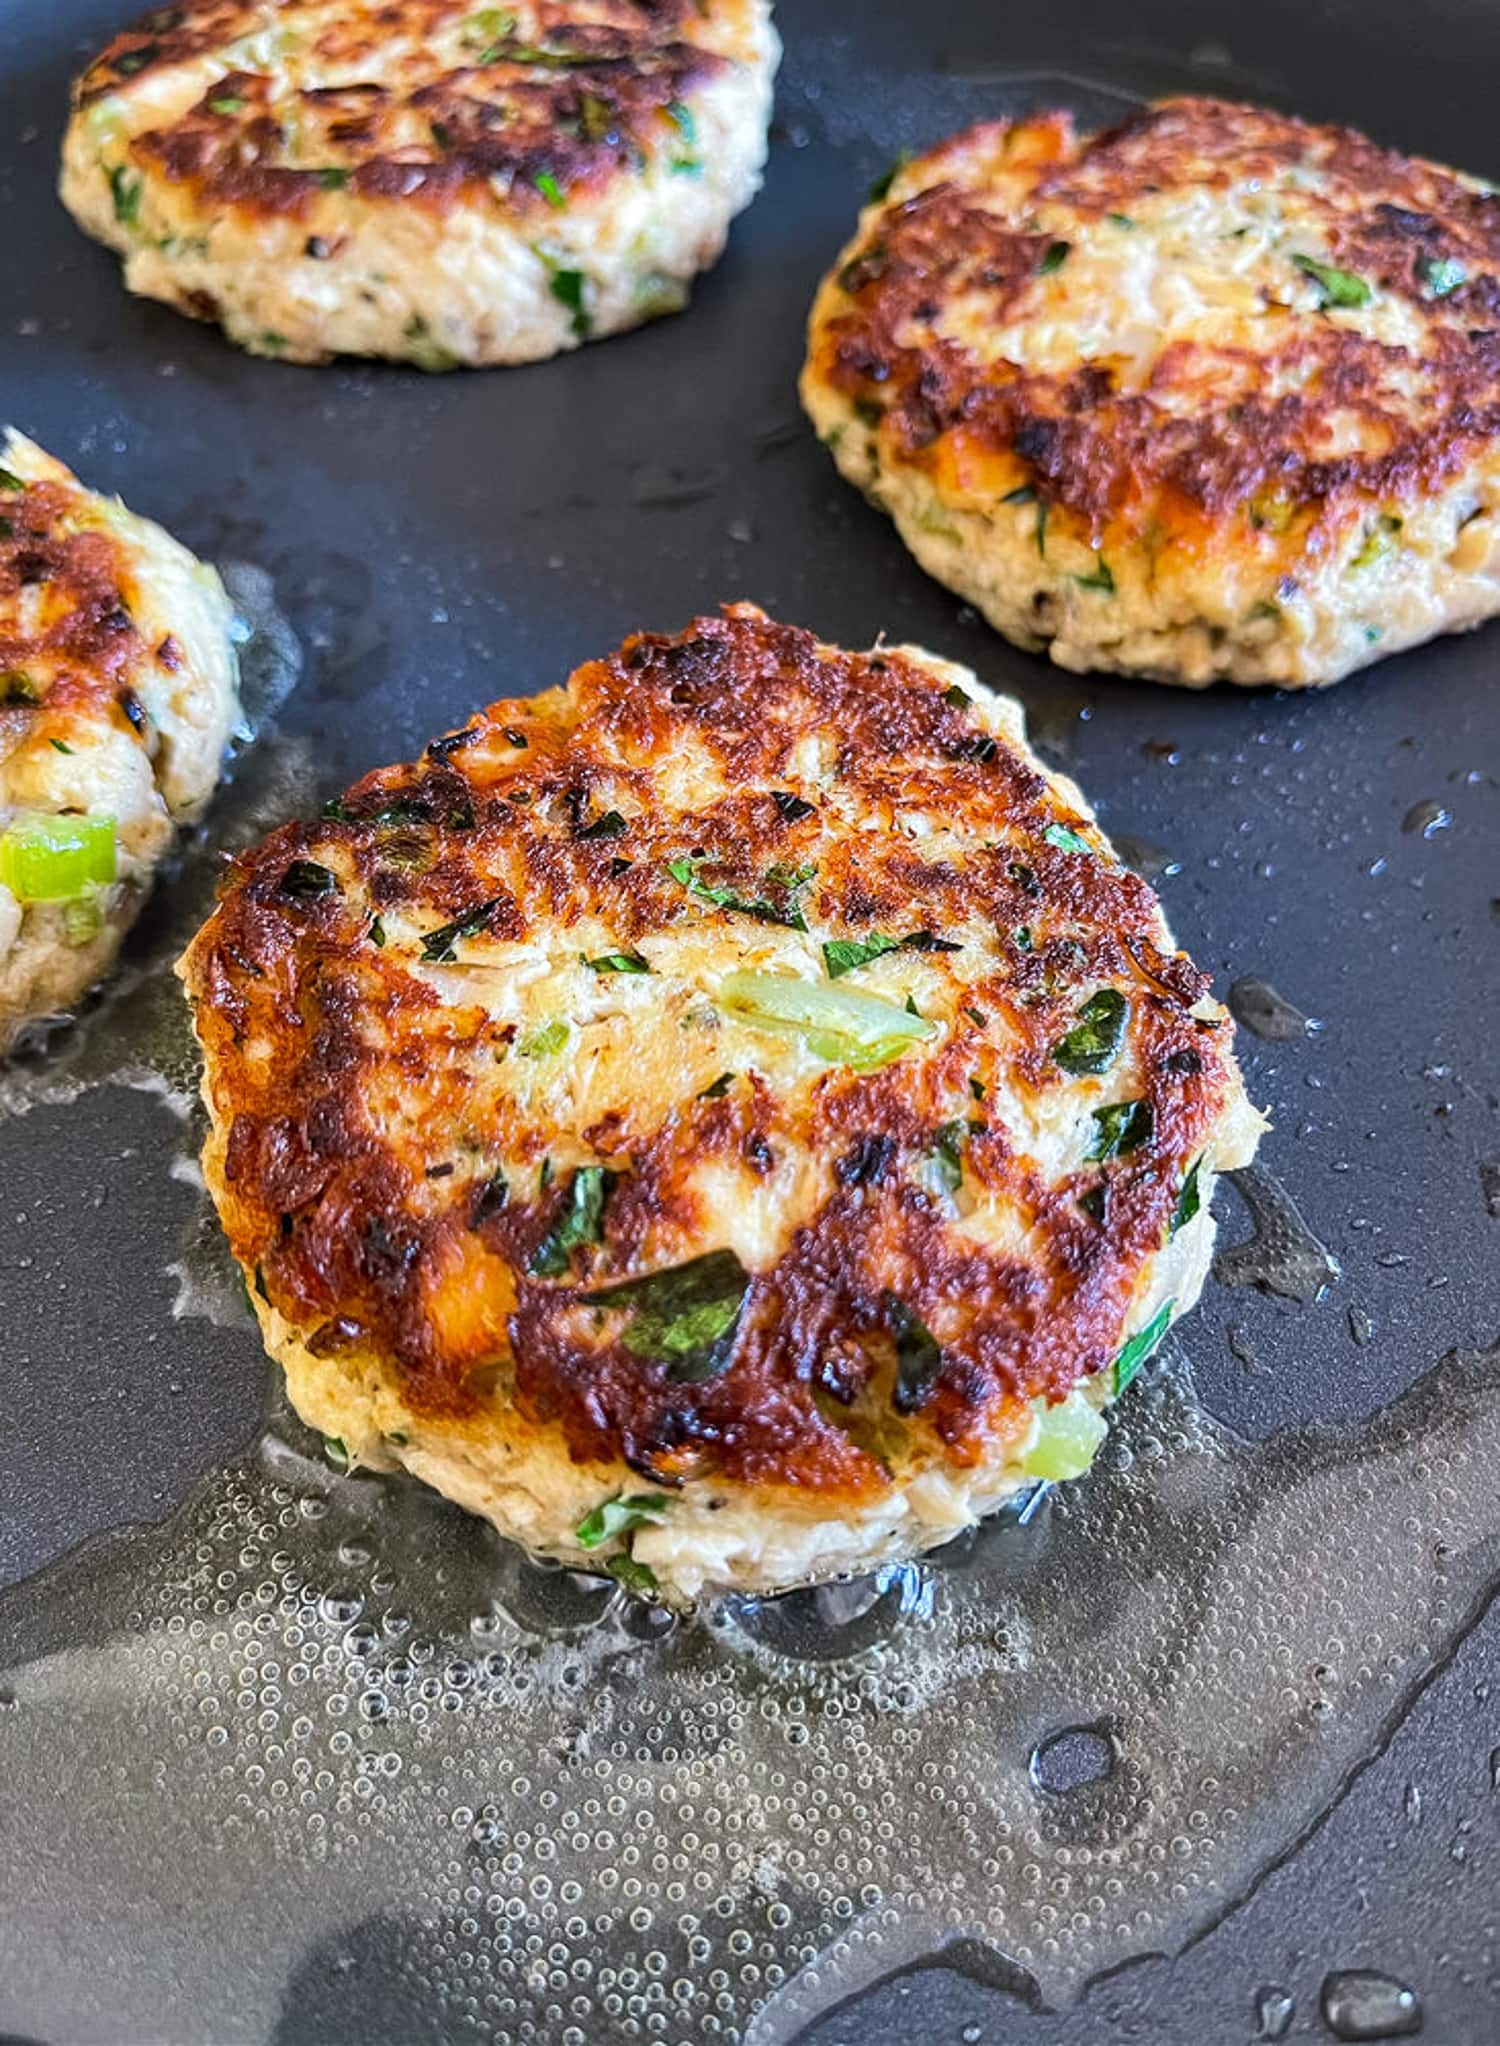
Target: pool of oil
1071, 1736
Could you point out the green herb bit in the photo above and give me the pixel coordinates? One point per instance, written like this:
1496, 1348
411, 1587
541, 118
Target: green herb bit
1142, 1346
1120, 1127
1024, 493
1094, 1200
1119, 220
439, 946
791, 808
610, 825
1095, 1039
881, 189
618, 1516
1041, 527
581, 1222
1066, 840
868, 412
545, 1040
337, 1452
684, 871
1102, 578
1188, 1201
1441, 274
918, 1355
639, 1579
947, 1154
716, 1089
618, 962
685, 1317
377, 933
959, 698
9, 481
568, 289
490, 1199
1336, 287
333, 178
550, 190
126, 192
227, 105
59, 745
843, 955
305, 881
1055, 256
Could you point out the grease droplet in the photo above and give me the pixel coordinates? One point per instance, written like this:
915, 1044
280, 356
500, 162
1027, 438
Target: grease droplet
1427, 817
1072, 1759
1274, 2011
1267, 1013
1282, 1255
1361, 2003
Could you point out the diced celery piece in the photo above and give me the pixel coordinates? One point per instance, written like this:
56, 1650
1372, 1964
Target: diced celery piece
45, 858
1067, 1439
836, 1024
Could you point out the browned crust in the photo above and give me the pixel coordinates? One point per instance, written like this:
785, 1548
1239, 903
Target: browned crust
1128, 460
329, 1142
431, 140
76, 668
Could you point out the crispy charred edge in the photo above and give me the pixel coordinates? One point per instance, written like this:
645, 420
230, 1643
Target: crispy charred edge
94, 648
519, 123
1098, 454
348, 1235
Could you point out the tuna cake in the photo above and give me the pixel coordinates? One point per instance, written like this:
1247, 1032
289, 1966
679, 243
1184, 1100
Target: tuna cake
1214, 395
117, 696
731, 1119
421, 179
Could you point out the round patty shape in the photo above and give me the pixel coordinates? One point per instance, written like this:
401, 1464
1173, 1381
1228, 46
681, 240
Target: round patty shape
724, 1118
421, 179
117, 698
1212, 396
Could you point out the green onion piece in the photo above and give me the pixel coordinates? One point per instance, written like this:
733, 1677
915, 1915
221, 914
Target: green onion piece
377, 933
1122, 1126
10, 481
1119, 220
619, 1516
1091, 1045
581, 1222
1337, 287
1066, 840
1380, 538
44, 858
1068, 1437
618, 962
333, 179
835, 1024
82, 920
546, 1039
1055, 256
1142, 1346
336, 1452
227, 105
550, 190
1188, 1201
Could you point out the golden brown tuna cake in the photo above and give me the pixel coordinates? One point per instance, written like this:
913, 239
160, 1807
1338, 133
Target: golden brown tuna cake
422, 179
732, 1118
1213, 395
117, 696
